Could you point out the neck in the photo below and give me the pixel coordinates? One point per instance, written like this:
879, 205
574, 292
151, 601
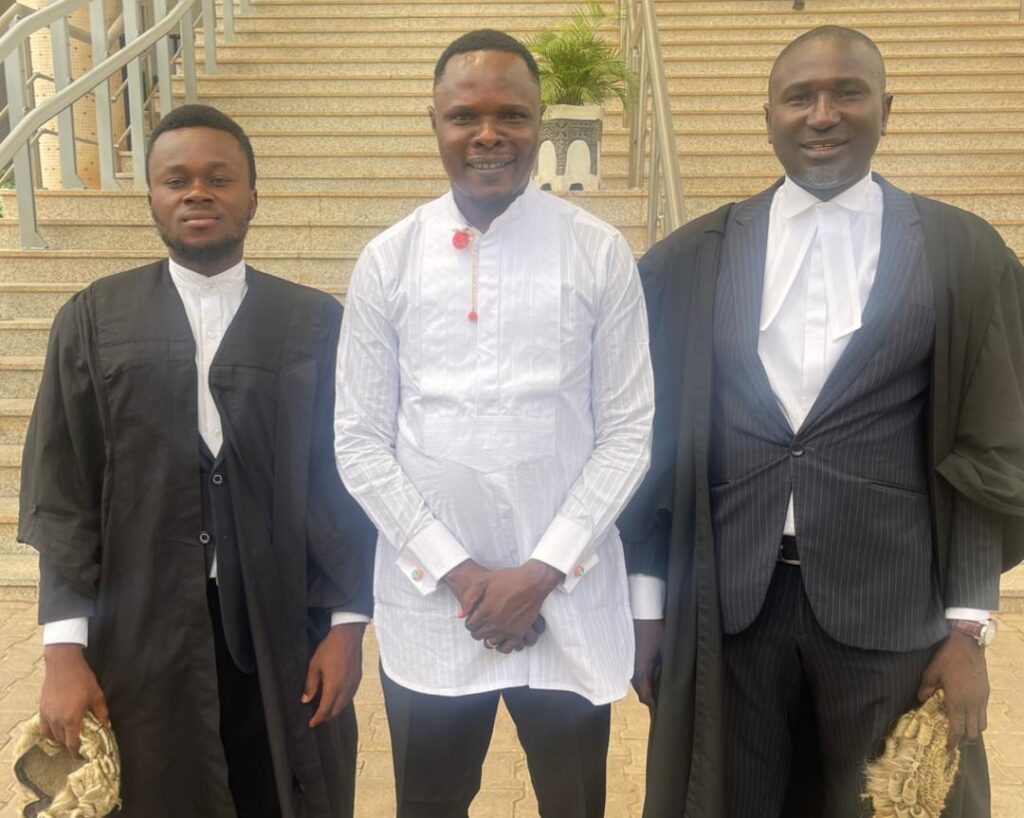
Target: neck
208, 267
481, 213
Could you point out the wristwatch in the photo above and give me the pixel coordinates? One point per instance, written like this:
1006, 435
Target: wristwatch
984, 633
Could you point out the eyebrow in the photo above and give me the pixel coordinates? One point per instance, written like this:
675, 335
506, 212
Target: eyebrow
179, 168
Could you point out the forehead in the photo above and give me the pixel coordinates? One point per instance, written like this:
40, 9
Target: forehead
196, 146
827, 60
477, 77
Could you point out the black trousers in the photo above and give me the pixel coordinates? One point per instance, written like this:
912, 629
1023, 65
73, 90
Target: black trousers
439, 744
243, 729
804, 712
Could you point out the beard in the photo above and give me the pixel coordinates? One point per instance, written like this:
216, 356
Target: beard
206, 253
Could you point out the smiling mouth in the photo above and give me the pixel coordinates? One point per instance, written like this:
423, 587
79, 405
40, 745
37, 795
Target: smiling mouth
822, 147
489, 164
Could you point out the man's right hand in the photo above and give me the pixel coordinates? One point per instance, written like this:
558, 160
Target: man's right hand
70, 690
647, 661
468, 581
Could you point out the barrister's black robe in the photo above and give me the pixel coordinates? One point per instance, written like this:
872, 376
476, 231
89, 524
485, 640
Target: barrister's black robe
977, 448
111, 499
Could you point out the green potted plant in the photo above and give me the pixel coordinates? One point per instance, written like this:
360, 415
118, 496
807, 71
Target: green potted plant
580, 70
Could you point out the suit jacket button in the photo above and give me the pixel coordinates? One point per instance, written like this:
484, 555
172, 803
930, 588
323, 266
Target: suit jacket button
204, 538
217, 479
796, 450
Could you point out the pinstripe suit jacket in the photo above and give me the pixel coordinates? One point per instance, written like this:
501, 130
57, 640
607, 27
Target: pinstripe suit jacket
857, 467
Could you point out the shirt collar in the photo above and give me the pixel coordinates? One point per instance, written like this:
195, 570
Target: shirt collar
857, 198
232, 277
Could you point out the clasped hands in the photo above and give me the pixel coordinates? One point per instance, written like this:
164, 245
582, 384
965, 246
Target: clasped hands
502, 606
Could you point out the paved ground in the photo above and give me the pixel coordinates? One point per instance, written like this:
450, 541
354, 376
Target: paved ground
506, 791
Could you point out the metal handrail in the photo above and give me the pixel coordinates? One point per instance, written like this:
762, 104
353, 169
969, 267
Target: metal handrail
26, 119
642, 45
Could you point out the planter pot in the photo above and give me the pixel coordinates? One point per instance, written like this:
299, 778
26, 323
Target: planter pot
570, 148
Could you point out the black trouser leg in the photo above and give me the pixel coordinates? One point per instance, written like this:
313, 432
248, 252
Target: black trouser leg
243, 730
566, 742
856, 696
438, 745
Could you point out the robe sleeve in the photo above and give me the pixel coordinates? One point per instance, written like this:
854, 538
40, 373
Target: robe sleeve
63, 467
341, 537
646, 523
986, 463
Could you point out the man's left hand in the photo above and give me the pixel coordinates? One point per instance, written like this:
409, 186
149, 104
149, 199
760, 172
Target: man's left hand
958, 667
512, 602
335, 671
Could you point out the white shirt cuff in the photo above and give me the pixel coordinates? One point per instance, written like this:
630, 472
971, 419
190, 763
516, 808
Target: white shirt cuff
430, 555
564, 547
646, 596
347, 618
970, 614
74, 631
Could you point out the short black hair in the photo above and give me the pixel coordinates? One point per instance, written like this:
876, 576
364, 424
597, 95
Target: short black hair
486, 39
833, 33
203, 116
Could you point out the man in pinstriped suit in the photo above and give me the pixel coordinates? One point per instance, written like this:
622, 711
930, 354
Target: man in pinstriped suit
832, 495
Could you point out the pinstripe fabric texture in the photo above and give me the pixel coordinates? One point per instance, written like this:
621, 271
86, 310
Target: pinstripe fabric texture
857, 466
783, 660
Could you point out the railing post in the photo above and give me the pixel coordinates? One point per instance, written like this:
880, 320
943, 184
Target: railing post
61, 50
24, 181
638, 127
664, 127
104, 118
136, 97
228, 13
209, 37
188, 56
653, 194
163, 63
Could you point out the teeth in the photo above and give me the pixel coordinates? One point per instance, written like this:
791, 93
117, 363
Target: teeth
488, 165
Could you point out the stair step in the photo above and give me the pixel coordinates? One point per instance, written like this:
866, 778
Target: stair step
939, 120
19, 578
282, 62
963, 98
439, 33
86, 265
10, 469
665, 8
303, 208
14, 415
19, 375
23, 336
337, 18
1008, 80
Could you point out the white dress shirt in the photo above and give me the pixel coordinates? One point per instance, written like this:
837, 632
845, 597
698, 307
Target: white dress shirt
820, 266
520, 435
210, 304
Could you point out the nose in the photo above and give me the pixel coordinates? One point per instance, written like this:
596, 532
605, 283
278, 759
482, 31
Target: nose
823, 114
197, 192
488, 135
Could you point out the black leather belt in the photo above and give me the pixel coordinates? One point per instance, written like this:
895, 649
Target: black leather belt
788, 552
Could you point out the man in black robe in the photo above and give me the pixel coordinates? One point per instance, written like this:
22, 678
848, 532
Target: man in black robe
826, 543
204, 577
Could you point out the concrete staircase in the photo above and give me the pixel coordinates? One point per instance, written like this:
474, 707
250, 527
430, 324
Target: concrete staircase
334, 94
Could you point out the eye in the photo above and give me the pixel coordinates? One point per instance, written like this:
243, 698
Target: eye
175, 182
850, 93
515, 116
220, 181
461, 118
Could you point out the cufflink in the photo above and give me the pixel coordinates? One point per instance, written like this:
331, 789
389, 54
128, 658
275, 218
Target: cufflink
578, 571
416, 574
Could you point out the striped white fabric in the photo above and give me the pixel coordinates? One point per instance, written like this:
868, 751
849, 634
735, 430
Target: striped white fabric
519, 435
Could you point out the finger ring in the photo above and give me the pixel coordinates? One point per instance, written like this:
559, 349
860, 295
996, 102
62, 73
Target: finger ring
490, 644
